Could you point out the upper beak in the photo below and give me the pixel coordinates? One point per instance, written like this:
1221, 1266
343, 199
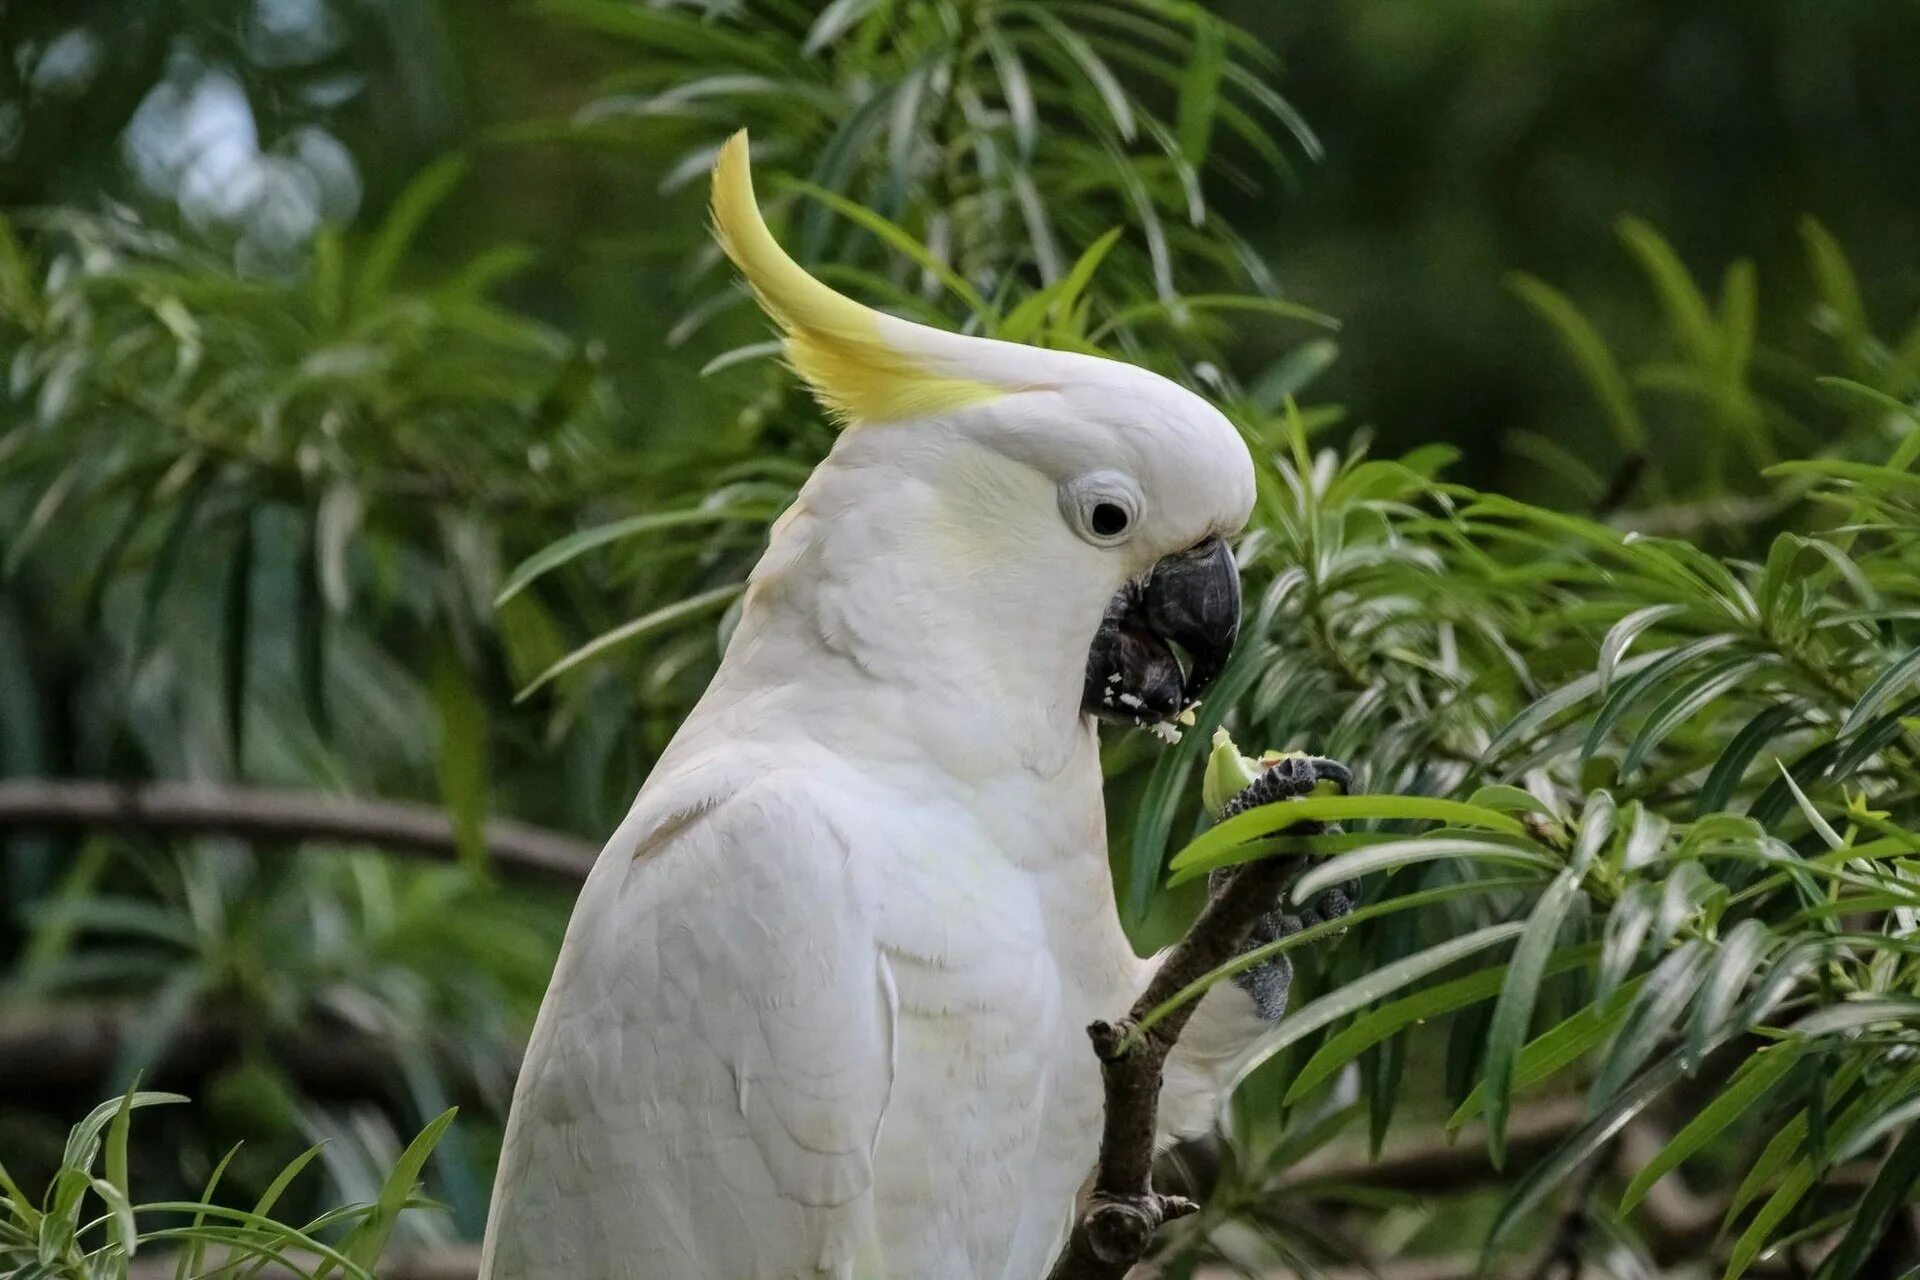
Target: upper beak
1192, 600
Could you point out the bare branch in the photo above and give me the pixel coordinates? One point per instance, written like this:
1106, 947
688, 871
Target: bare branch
253, 813
68, 1052
1124, 1213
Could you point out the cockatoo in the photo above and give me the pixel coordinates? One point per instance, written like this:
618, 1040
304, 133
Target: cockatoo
821, 1008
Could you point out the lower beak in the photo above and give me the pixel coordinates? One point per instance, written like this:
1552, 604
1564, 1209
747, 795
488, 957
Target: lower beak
1190, 600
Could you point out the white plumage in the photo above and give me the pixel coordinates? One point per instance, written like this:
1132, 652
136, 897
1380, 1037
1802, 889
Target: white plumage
820, 1011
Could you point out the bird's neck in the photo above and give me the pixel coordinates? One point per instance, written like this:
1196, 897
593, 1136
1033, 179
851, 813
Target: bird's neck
891, 616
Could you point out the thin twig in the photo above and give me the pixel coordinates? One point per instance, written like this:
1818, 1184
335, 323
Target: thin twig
253, 813
1124, 1213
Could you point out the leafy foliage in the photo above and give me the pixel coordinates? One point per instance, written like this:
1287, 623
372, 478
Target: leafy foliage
1638, 821
56, 1239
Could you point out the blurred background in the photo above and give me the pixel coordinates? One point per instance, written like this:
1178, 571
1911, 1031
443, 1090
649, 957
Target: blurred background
383, 445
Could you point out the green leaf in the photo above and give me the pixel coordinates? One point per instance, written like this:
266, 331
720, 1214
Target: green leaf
462, 720
1629, 693
83, 1140
121, 1230
1739, 754
1881, 691
1105, 83
237, 644
1313, 933
1513, 1015
1795, 1185
575, 545
402, 223
667, 615
1750, 1083
1644, 838
369, 1239
189, 1261
1508, 799
1218, 845
1434, 1002
1840, 291
1820, 825
1199, 97
1741, 953
1858, 1014
1626, 932
1590, 353
1540, 1180
1687, 311
896, 238
1556, 1048
1687, 702
1884, 1197
1669, 990
1363, 991
1403, 853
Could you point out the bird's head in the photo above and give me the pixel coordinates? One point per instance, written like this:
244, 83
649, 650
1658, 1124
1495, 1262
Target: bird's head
1076, 498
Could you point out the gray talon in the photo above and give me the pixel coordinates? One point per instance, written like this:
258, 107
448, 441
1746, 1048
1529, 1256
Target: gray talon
1269, 982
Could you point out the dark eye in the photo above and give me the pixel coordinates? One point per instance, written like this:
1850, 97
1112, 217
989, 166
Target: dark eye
1108, 519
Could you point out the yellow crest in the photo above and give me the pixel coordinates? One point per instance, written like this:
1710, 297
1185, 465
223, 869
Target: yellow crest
833, 342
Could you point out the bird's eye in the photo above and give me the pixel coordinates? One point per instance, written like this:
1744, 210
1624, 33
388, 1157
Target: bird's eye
1101, 506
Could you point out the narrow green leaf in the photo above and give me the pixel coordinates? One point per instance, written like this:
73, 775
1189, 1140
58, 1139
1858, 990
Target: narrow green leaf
1687, 702
1821, 826
1556, 1048
1881, 691
1631, 692
897, 239
1363, 991
1402, 853
679, 611
1209, 848
369, 1239
189, 1260
402, 223
237, 645
1669, 990
575, 545
1434, 1002
1687, 311
1739, 754
1313, 933
1513, 1015
1884, 1197
1199, 98
1795, 1185
1589, 352
1750, 1083
461, 717
1540, 1180
1741, 953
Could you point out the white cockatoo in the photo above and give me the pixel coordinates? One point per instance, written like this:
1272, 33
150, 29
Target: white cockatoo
821, 1008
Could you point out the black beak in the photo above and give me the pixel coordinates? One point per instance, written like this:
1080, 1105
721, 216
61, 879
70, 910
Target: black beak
1190, 600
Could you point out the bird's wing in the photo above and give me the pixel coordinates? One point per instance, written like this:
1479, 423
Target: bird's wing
706, 1080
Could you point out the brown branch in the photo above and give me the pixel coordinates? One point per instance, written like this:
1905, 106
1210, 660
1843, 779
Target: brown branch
1124, 1212
66, 1053
253, 813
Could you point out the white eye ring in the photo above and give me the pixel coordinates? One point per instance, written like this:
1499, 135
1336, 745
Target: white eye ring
1101, 506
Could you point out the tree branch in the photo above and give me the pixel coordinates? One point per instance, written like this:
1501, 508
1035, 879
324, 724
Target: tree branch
260, 814
1124, 1212
62, 1056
